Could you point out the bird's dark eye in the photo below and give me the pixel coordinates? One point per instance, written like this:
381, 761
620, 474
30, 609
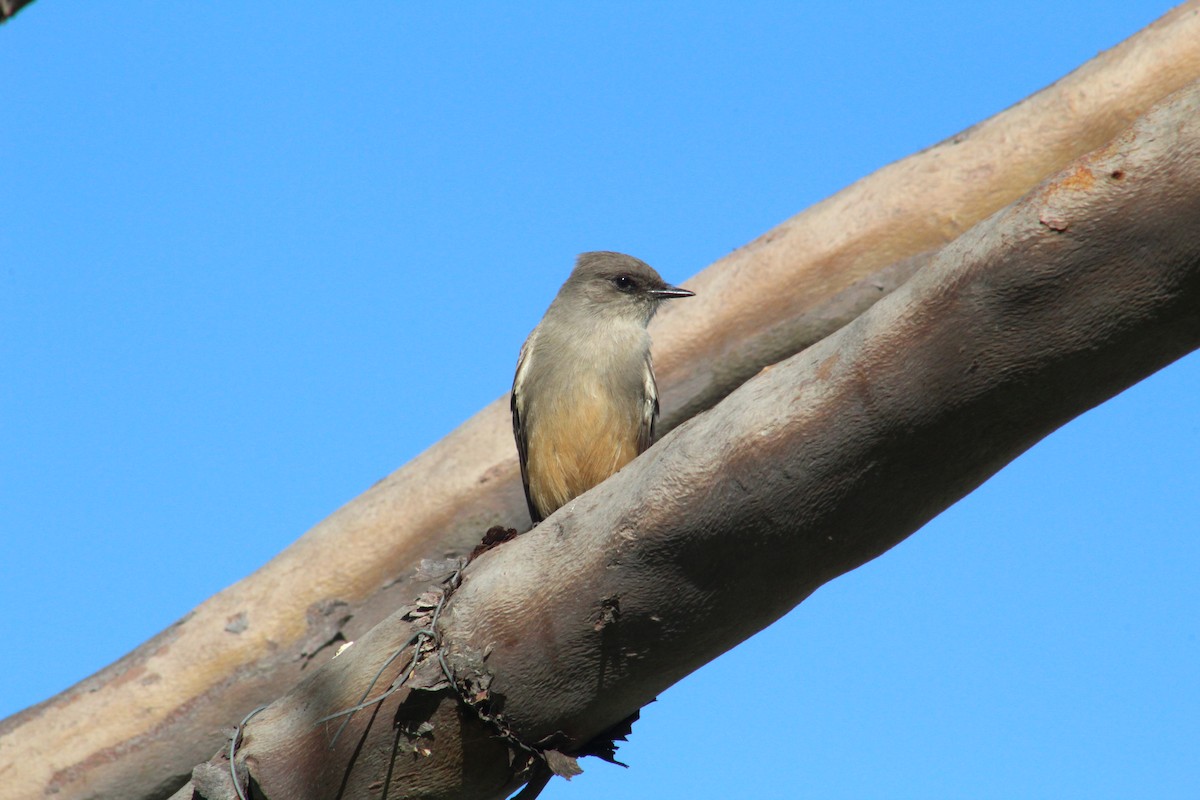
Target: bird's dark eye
624, 283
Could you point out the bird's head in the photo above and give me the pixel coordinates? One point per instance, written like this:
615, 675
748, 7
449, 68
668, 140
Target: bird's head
615, 285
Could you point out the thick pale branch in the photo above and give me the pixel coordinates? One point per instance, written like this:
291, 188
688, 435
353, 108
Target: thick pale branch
1036, 315
167, 704
1078, 290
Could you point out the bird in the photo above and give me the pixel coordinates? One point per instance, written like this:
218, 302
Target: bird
584, 400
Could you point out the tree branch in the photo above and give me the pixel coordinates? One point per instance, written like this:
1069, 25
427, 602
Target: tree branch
167, 704
1083, 287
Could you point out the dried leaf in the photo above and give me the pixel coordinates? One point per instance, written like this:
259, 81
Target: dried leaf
562, 764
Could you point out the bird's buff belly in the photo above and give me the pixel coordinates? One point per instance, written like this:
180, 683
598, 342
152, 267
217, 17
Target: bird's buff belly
573, 449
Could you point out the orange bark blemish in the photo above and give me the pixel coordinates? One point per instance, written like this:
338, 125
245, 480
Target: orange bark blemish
1053, 215
825, 368
1081, 178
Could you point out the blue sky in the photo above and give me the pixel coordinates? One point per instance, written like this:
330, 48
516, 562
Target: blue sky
252, 261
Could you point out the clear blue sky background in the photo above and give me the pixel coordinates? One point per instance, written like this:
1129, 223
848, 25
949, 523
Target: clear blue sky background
253, 259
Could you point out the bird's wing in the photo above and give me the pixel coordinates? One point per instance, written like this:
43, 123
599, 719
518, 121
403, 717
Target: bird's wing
521, 423
649, 407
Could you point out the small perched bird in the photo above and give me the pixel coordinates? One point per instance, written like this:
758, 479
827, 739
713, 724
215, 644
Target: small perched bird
584, 401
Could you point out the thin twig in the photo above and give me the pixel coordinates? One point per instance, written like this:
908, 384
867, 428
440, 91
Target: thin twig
233, 743
418, 639
363, 702
387, 781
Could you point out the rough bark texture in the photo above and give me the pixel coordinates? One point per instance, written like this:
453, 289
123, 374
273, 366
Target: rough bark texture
1080, 289
170, 703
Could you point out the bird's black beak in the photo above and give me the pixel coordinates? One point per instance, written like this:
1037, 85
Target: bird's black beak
668, 292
